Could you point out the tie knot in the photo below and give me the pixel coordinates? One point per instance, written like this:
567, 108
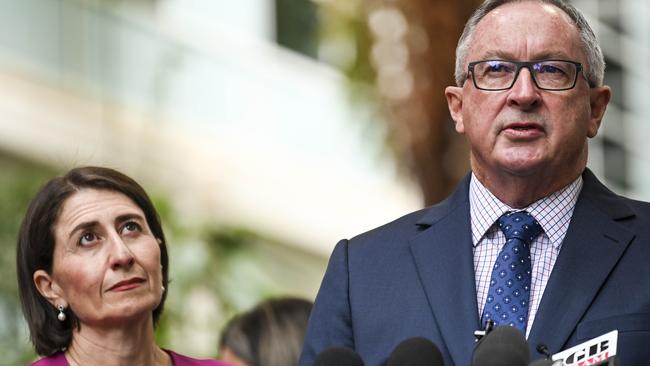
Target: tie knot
520, 225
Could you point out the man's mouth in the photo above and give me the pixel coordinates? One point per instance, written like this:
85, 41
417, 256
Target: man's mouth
525, 130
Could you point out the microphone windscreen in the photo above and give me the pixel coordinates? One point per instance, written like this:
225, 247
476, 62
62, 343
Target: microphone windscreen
503, 346
416, 351
338, 356
542, 362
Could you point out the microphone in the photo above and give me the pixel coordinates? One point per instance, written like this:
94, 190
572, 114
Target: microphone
338, 356
599, 351
546, 361
416, 351
609, 362
503, 346
543, 349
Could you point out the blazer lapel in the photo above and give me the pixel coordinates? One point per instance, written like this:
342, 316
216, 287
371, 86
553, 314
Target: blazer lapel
444, 260
591, 249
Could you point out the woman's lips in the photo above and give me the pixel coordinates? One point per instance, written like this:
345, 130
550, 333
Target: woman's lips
126, 284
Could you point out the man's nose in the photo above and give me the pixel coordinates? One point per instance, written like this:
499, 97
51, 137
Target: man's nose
120, 254
524, 93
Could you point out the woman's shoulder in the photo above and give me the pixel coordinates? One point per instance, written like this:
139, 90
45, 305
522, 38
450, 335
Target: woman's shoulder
57, 359
180, 360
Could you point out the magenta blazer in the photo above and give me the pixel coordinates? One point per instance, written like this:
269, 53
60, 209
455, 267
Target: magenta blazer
58, 359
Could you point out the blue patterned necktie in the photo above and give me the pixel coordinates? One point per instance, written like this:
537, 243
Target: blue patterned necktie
507, 300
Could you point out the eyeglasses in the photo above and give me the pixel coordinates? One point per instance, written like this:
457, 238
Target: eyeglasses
547, 74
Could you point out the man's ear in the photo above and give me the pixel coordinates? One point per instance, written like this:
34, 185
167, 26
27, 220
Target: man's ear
598, 99
48, 288
454, 96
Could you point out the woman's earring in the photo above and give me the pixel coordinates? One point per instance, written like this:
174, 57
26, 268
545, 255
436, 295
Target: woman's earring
61, 316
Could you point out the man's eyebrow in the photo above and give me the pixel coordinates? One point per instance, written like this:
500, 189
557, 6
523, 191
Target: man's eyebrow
502, 55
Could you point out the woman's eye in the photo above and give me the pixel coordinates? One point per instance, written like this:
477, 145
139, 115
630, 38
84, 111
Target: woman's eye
87, 239
130, 227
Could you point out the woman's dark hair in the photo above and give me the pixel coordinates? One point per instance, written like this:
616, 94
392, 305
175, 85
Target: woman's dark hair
36, 248
271, 334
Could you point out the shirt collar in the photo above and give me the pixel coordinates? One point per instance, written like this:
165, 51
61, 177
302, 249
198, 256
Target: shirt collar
553, 212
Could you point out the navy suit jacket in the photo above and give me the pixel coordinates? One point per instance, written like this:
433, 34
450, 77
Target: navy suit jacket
415, 277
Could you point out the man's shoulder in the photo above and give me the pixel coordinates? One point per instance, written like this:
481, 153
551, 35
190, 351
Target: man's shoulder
405, 224
409, 225
613, 204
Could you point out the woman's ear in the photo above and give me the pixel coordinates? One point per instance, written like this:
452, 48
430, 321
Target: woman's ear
48, 288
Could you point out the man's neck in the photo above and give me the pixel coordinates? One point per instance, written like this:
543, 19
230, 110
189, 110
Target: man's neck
112, 346
521, 191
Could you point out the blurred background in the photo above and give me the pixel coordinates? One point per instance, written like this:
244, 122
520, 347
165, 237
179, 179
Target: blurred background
265, 130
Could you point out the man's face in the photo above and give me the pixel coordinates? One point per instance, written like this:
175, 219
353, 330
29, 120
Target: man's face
525, 131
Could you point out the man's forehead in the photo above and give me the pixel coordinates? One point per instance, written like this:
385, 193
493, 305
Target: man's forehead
525, 30
506, 55
539, 7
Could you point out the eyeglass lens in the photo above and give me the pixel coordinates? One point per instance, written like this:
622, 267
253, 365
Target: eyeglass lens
552, 74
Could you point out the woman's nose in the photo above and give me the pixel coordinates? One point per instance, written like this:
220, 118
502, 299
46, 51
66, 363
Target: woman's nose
120, 254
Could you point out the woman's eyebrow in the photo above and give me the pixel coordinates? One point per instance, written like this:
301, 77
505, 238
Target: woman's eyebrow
90, 224
83, 226
129, 216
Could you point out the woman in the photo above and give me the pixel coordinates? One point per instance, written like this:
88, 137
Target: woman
93, 271
271, 334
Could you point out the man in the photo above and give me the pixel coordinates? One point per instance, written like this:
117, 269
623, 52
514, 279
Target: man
529, 95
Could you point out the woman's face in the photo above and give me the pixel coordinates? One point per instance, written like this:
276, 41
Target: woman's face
106, 264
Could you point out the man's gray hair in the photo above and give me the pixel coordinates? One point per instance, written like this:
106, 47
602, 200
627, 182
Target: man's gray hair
595, 69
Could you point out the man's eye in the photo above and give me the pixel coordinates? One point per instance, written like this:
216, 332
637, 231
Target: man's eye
498, 67
87, 239
549, 69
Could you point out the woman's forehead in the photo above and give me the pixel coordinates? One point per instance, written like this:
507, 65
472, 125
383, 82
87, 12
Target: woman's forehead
95, 203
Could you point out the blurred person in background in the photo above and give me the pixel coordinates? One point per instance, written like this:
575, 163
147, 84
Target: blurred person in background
270, 334
93, 270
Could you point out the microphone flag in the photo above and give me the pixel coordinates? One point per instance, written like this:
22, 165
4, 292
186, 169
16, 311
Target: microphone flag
591, 352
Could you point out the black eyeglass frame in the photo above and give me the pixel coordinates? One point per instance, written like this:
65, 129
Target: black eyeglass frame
526, 64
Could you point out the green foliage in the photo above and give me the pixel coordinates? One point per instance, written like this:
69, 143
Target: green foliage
19, 181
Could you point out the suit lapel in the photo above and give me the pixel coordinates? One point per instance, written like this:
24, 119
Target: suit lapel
591, 249
443, 257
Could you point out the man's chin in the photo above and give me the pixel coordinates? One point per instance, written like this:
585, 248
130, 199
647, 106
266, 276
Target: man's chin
523, 168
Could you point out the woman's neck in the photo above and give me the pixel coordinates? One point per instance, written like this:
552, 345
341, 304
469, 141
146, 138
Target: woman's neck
132, 344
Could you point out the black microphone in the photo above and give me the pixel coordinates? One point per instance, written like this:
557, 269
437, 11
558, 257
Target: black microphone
503, 346
417, 351
338, 356
546, 361
543, 349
